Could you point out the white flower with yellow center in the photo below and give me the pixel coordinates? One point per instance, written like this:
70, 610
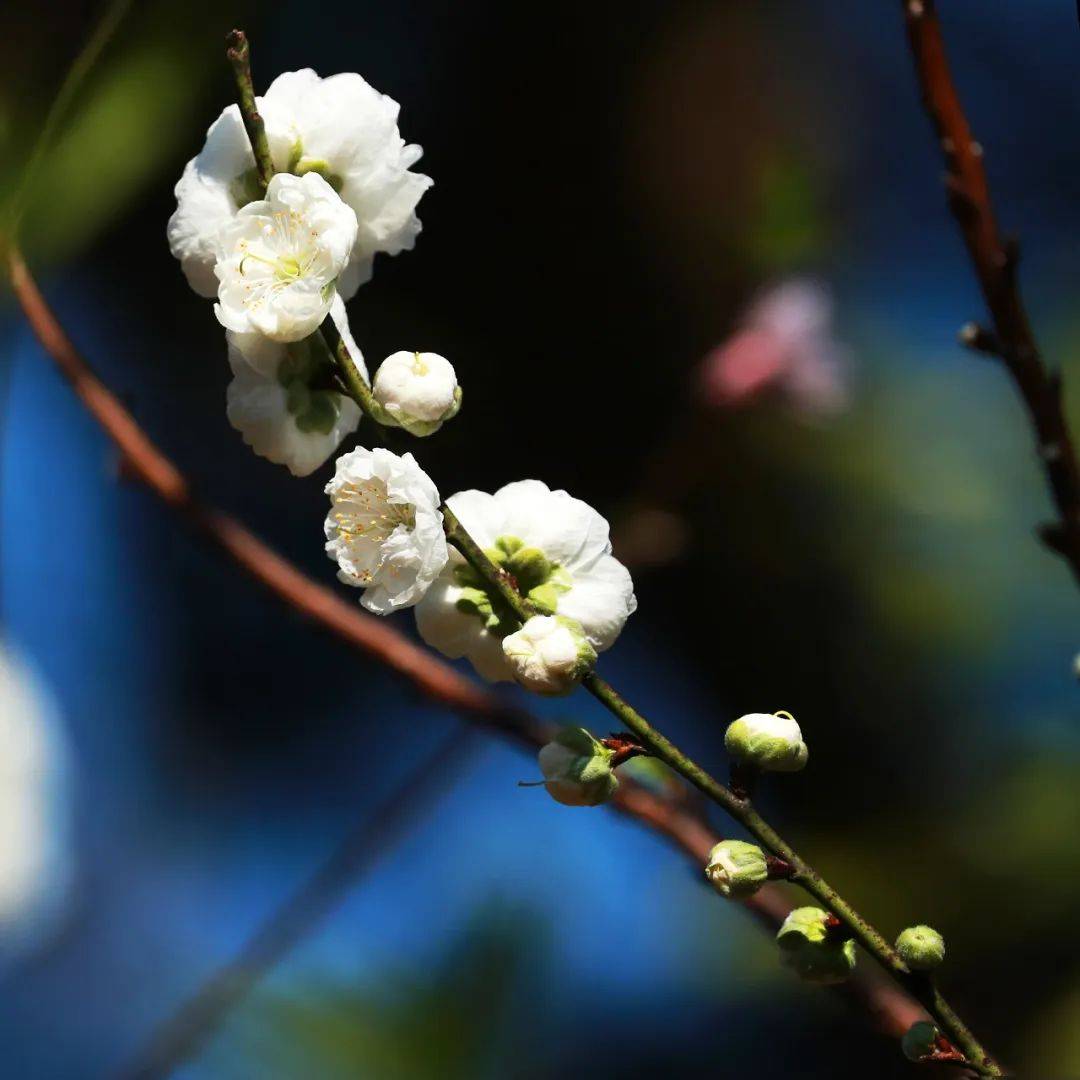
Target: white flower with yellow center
279, 258
384, 529
340, 128
556, 548
279, 398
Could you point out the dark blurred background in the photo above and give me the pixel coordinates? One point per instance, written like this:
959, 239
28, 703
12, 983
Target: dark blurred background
616, 188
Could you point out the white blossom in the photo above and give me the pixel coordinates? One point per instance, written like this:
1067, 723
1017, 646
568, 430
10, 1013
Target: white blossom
35, 857
272, 403
549, 654
338, 127
278, 260
384, 529
558, 549
415, 386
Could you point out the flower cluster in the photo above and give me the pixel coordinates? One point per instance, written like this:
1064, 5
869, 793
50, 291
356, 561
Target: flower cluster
522, 582
340, 129
280, 262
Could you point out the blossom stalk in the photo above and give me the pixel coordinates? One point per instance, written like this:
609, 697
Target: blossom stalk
740, 809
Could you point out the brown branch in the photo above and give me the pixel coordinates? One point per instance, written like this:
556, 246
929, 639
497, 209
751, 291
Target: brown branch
994, 259
678, 819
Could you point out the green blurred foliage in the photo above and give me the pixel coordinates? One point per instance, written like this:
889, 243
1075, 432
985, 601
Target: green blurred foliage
455, 1021
787, 226
128, 123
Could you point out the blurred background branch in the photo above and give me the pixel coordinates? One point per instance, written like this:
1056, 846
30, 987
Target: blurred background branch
995, 260
183, 1034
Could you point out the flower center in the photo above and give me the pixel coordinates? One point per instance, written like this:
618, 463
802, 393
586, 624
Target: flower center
363, 511
287, 268
539, 580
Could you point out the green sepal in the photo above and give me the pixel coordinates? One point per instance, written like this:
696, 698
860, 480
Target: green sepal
245, 188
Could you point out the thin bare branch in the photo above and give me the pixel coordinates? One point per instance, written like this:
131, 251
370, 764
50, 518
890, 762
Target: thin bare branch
994, 259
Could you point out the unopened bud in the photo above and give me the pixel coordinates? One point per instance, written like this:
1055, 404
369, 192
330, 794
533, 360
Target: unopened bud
577, 769
419, 390
919, 1041
549, 654
737, 869
811, 950
922, 948
769, 741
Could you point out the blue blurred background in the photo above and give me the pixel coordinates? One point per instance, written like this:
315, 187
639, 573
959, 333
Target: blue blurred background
614, 186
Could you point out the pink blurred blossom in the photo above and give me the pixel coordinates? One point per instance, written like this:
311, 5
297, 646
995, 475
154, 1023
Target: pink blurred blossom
784, 345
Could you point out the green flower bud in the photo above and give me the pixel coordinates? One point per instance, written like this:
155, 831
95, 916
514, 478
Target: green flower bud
769, 741
530, 567
919, 1041
737, 869
809, 948
577, 769
922, 948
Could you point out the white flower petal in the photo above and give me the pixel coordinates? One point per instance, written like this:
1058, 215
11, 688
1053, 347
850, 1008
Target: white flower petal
481, 515
256, 407
204, 200
601, 599
567, 530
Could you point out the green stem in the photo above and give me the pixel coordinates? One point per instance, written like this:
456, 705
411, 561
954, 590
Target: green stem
239, 55
355, 384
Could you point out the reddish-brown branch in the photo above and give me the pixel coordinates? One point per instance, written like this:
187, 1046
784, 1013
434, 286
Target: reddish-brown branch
995, 262
678, 819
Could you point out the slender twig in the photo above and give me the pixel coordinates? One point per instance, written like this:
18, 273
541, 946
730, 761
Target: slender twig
185, 1032
800, 872
353, 383
891, 1008
239, 56
994, 259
